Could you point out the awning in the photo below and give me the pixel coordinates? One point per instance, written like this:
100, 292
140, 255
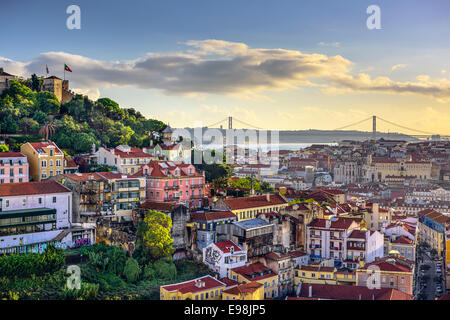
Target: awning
26, 213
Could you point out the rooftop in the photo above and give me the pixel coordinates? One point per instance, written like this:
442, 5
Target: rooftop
30, 188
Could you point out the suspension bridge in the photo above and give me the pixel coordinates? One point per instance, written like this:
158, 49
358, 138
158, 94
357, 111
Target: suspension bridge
412, 132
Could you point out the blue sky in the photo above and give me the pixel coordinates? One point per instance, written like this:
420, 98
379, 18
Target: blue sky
415, 36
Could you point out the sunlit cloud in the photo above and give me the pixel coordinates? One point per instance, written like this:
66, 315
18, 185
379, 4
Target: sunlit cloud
217, 67
398, 66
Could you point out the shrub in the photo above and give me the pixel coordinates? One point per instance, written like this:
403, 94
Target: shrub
132, 270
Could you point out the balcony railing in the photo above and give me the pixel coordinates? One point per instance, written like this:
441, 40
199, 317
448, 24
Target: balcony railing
172, 187
174, 198
197, 185
197, 196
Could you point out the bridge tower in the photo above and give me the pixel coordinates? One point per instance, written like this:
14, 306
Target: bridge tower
230, 122
374, 128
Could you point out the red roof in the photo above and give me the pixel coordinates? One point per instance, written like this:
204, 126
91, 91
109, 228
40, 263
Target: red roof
341, 223
212, 215
42, 145
254, 201
225, 246
357, 234
229, 282
403, 240
84, 176
393, 264
134, 153
189, 286
349, 292
297, 253
11, 155
249, 287
257, 270
29, 188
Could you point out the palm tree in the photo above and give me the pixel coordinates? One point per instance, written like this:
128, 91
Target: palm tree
48, 130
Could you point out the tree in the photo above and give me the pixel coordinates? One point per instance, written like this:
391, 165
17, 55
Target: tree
154, 235
28, 125
40, 116
48, 130
132, 270
47, 102
4, 148
35, 82
83, 142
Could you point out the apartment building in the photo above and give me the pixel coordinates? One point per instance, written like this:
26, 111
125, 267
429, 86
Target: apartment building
34, 215
246, 208
392, 271
14, 167
432, 228
204, 288
223, 256
126, 159
169, 181
257, 272
45, 159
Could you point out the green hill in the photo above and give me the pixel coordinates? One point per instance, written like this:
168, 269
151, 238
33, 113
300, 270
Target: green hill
73, 126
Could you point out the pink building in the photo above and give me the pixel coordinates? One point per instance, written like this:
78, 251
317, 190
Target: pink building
13, 167
173, 181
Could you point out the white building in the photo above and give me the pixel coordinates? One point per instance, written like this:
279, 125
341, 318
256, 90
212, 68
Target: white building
34, 215
223, 256
126, 159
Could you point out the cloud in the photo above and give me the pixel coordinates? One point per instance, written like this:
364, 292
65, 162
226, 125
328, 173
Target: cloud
224, 68
398, 66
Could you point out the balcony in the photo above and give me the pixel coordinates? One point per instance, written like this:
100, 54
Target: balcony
174, 198
197, 185
197, 196
172, 187
315, 246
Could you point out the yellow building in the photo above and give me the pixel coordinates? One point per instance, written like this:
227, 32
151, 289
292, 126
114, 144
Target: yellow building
45, 159
446, 268
432, 228
257, 272
314, 274
248, 291
246, 208
384, 167
204, 288
343, 277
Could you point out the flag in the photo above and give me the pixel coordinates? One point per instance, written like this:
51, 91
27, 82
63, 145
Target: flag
46, 68
66, 68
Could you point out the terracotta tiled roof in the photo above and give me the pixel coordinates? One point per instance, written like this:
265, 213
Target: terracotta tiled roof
229, 282
255, 270
357, 234
134, 153
249, 287
254, 202
159, 206
11, 155
42, 145
225, 246
189, 286
349, 292
316, 268
29, 188
403, 240
394, 264
297, 253
212, 215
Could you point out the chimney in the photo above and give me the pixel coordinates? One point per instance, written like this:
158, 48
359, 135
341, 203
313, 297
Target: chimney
310, 292
268, 197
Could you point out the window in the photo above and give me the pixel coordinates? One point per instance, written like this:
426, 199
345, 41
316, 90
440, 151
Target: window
51, 153
51, 163
40, 200
54, 200
58, 163
44, 163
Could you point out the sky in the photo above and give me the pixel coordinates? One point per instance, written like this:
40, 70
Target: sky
288, 64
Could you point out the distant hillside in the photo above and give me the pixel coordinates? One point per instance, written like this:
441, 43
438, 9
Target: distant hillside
327, 136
